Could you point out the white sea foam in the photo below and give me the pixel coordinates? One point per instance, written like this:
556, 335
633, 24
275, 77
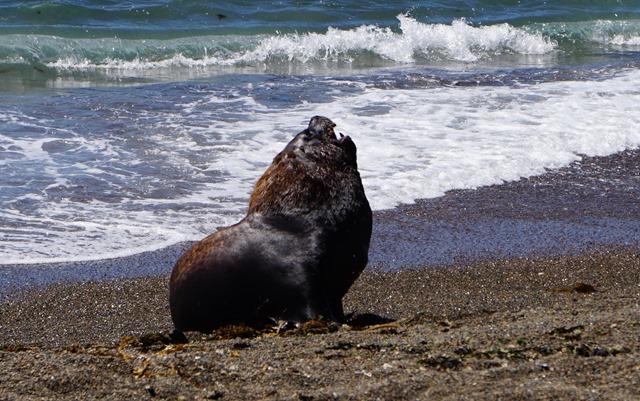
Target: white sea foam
624, 40
601, 32
621, 33
458, 41
414, 40
412, 143
420, 143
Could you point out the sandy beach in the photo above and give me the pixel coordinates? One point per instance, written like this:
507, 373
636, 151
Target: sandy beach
526, 290
498, 144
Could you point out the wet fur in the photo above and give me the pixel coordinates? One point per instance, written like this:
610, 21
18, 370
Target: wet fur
303, 243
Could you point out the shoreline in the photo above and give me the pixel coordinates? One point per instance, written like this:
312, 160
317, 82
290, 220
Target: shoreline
508, 316
591, 203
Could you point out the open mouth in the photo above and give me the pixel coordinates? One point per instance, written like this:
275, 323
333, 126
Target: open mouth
332, 134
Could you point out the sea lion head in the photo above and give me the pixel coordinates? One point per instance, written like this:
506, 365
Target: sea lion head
307, 174
319, 125
320, 134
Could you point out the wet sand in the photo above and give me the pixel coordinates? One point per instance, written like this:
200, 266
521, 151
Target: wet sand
527, 290
594, 202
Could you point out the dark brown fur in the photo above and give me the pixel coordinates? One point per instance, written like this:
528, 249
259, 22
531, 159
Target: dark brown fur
303, 243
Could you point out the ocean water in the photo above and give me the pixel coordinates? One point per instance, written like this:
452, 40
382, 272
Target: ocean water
128, 126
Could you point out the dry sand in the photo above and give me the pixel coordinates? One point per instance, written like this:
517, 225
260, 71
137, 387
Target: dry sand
511, 329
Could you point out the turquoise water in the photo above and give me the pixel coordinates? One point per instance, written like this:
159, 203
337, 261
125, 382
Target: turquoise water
128, 126
116, 41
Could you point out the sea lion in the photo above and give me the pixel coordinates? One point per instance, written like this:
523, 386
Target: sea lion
303, 243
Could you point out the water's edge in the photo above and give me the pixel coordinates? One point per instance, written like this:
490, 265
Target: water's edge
566, 211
